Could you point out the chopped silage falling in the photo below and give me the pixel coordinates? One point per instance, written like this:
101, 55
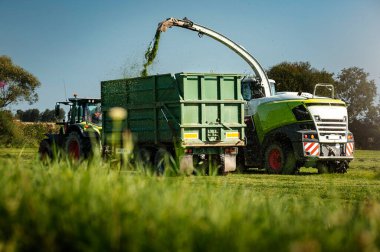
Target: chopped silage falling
151, 53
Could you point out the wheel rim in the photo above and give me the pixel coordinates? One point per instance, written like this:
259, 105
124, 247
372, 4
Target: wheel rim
275, 160
74, 149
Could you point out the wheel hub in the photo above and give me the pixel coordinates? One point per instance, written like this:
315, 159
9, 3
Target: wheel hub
74, 149
275, 159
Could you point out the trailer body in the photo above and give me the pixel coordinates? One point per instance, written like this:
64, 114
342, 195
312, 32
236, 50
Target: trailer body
203, 114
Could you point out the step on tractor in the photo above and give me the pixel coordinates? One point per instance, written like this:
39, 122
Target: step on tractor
286, 130
79, 135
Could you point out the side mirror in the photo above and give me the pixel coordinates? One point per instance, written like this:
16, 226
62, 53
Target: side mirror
56, 110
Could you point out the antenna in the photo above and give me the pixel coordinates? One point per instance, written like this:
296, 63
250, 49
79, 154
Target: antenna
64, 86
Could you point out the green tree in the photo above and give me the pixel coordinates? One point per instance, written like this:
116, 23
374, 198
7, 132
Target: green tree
10, 134
30, 115
359, 93
298, 76
49, 115
16, 84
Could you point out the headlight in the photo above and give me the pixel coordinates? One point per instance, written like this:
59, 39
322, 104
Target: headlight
317, 118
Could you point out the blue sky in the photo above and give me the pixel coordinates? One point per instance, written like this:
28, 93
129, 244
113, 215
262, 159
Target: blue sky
77, 44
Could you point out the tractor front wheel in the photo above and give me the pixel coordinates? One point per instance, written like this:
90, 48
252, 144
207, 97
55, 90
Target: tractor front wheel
74, 146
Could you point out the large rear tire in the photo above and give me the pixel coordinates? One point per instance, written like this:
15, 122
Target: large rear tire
279, 159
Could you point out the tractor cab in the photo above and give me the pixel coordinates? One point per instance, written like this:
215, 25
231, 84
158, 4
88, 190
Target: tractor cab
82, 111
80, 135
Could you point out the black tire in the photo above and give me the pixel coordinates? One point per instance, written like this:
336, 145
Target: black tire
240, 162
160, 163
74, 146
201, 164
45, 151
143, 159
279, 159
221, 170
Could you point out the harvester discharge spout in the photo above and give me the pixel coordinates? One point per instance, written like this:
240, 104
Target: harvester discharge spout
253, 63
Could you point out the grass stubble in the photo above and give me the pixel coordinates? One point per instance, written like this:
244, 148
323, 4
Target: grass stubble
91, 206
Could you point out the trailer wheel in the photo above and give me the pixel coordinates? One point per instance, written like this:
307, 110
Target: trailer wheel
45, 151
144, 159
74, 146
162, 162
279, 159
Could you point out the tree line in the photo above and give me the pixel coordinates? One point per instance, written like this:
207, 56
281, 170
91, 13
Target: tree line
34, 115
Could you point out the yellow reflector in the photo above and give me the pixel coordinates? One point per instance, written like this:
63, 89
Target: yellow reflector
232, 135
190, 135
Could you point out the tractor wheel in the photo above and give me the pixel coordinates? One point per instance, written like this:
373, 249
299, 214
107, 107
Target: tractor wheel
45, 151
279, 159
74, 146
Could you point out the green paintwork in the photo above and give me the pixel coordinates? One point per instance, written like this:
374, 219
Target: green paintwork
324, 100
273, 115
163, 107
90, 127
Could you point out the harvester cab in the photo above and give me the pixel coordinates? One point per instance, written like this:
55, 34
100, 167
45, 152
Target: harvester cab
79, 133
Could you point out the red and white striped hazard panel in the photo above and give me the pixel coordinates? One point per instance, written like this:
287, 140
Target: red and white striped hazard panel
311, 148
349, 149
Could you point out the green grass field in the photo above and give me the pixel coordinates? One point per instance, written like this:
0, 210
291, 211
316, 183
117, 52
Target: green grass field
64, 207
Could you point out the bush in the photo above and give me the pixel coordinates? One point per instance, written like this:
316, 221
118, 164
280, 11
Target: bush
17, 134
35, 132
10, 134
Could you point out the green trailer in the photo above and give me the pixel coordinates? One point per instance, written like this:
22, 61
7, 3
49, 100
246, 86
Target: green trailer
202, 114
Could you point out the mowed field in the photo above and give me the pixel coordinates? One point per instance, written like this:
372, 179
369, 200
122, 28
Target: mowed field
91, 206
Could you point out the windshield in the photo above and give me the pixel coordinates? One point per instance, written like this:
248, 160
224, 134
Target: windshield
94, 114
